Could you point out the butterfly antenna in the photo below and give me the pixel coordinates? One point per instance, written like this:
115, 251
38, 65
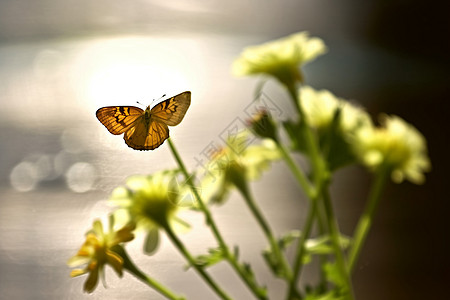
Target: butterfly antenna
159, 98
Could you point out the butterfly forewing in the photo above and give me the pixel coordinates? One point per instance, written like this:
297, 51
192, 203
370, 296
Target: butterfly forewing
172, 111
117, 119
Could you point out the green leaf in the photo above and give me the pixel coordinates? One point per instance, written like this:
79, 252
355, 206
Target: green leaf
272, 259
248, 273
287, 239
151, 241
333, 274
322, 245
314, 246
214, 256
317, 246
274, 264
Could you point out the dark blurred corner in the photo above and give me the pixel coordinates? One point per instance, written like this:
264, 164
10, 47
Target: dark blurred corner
414, 219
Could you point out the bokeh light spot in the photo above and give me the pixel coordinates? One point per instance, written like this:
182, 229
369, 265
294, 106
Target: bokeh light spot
80, 177
24, 176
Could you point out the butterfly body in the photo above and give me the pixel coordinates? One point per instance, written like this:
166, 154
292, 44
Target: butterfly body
145, 130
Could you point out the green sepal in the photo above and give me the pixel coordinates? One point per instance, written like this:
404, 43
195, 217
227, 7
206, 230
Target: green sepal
333, 144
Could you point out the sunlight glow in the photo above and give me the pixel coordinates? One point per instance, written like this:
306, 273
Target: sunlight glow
122, 71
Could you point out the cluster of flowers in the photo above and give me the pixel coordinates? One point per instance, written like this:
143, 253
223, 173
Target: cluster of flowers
345, 133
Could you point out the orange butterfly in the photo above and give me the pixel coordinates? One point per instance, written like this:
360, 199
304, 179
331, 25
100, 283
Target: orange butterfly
145, 130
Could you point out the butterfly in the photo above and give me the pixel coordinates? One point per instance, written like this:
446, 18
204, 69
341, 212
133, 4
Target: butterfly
145, 130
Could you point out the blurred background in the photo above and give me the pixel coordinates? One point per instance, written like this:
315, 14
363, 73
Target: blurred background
62, 60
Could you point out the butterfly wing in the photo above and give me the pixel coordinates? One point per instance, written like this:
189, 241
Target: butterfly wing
144, 131
117, 119
145, 136
172, 111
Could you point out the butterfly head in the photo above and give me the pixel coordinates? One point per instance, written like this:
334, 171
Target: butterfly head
147, 113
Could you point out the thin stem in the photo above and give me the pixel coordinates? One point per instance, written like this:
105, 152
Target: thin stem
335, 240
320, 175
281, 259
180, 246
298, 263
258, 291
311, 143
131, 267
209, 220
366, 219
323, 258
293, 92
298, 173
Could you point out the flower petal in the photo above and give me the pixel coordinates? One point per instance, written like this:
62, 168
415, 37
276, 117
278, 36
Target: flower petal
91, 281
78, 260
115, 261
78, 272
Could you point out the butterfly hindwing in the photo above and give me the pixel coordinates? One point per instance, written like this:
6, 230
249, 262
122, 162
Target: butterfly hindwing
117, 119
172, 111
145, 136
158, 133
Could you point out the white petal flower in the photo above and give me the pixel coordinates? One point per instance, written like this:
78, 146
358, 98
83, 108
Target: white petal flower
149, 201
398, 145
281, 58
235, 163
320, 107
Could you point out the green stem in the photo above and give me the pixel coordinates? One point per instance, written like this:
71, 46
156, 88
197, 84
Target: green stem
323, 258
202, 205
131, 267
293, 92
298, 263
312, 146
281, 259
335, 240
298, 173
258, 291
180, 246
320, 175
365, 221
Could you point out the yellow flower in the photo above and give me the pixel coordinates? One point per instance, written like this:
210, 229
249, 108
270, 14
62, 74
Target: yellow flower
151, 202
280, 58
397, 145
320, 107
235, 164
96, 253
